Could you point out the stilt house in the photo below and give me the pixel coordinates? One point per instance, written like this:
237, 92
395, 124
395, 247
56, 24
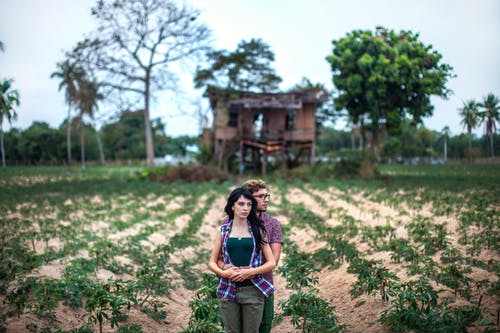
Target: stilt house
260, 128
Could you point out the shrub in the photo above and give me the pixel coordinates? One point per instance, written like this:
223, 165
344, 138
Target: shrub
187, 173
356, 165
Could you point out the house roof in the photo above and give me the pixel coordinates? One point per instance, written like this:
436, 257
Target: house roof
293, 100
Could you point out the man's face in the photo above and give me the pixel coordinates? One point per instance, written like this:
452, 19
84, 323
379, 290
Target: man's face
262, 198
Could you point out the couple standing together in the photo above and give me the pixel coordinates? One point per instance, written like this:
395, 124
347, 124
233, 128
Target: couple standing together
247, 247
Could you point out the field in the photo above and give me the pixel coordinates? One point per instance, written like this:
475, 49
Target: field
103, 250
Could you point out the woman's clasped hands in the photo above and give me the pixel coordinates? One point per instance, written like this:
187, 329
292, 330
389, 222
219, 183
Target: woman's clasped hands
239, 274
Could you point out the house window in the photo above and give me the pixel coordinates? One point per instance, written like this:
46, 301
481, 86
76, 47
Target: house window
290, 120
257, 124
233, 116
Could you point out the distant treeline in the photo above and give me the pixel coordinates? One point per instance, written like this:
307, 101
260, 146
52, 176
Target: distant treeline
124, 140
410, 144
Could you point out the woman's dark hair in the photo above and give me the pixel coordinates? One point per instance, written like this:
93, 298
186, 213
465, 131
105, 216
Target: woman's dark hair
258, 229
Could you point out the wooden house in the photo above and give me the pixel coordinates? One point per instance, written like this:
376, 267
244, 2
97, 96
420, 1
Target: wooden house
259, 127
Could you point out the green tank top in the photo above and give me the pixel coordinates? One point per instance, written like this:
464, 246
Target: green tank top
240, 250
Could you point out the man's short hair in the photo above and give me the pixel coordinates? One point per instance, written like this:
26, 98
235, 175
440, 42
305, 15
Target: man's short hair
253, 185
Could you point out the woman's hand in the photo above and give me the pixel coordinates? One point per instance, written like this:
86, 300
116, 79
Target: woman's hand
230, 272
242, 273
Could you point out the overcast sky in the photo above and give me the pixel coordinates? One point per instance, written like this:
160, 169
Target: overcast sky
300, 32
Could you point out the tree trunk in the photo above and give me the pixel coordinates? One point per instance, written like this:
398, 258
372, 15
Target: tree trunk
99, 145
491, 146
82, 142
470, 147
353, 138
445, 150
147, 126
68, 137
2, 148
374, 143
362, 135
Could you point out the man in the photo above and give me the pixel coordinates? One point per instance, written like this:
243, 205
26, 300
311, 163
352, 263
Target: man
274, 235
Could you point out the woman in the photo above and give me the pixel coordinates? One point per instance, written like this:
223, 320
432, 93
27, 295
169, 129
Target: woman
241, 241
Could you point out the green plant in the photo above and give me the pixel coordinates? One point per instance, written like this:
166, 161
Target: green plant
311, 314
134, 328
375, 236
205, 316
373, 278
152, 279
416, 307
104, 299
401, 249
432, 236
454, 275
298, 269
307, 311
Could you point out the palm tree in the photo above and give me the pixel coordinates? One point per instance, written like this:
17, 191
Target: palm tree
490, 115
87, 97
446, 134
9, 98
470, 119
69, 74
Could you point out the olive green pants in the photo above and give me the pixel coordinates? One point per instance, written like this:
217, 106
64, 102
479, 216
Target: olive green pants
244, 314
267, 318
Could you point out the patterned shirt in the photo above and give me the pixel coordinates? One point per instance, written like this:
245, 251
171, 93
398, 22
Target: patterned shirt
273, 230
227, 288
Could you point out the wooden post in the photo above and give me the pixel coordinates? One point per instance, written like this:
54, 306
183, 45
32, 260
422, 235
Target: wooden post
242, 157
264, 161
313, 154
221, 153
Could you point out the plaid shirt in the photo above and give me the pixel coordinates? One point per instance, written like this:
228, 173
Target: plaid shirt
227, 288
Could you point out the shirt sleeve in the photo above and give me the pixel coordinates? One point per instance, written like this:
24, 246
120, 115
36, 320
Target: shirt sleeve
275, 236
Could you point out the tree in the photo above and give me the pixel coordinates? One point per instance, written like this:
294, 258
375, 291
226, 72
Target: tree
470, 119
410, 143
445, 132
124, 139
40, 144
385, 77
9, 99
69, 73
135, 44
248, 68
87, 97
490, 115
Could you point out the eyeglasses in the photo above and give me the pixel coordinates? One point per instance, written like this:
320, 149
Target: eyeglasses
263, 196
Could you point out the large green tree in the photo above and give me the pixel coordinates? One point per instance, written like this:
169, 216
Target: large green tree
40, 144
383, 77
9, 100
135, 46
490, 115
247, 68
470, 119
124, 139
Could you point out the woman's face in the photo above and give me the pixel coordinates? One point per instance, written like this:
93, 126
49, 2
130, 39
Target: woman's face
242, 207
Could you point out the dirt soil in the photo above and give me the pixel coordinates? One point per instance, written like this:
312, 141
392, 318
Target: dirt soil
359, 314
